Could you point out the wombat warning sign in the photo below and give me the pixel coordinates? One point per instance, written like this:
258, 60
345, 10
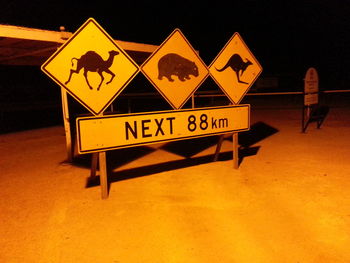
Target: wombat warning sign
175, 69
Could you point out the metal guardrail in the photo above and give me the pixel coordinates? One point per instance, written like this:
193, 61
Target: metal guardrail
296, 92
212, 94
7, 107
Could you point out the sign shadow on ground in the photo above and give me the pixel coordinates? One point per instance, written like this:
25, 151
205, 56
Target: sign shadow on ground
116, 158
258, 132
155, 168
318, 114
189, 148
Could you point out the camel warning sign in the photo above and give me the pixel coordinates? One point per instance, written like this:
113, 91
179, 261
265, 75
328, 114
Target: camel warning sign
235, 69
175, 69
91, 67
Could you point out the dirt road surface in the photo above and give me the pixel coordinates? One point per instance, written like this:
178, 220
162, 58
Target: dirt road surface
289, 201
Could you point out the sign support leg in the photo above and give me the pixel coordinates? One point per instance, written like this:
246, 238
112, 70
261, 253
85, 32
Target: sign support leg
103, 175
309, 117
218, 148
303, 120
66, 124
235, 150
94, 160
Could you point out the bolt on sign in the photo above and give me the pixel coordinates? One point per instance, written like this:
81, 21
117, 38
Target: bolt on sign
128, 130
235, 69
91, 67
175, 69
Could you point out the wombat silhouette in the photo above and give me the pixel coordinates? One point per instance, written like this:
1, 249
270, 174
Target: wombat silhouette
174, 64
91, 61
238, 65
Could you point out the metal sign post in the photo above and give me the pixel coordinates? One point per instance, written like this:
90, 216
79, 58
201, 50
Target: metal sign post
92, 50
100, 158
103, 174
235, 150
66, 124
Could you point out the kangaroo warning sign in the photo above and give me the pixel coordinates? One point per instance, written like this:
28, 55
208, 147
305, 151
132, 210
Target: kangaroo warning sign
175, 69
235, 69
91, 67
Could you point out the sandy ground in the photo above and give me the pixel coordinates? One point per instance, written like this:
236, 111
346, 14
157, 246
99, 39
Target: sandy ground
288, 202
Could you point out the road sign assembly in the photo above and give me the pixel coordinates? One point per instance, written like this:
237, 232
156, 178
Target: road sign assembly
92, 68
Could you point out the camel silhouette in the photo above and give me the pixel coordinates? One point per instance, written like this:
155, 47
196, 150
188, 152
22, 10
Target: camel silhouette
91, 61
237, 65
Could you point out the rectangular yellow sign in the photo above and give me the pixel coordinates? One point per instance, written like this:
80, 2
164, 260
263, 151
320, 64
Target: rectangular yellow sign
126, 130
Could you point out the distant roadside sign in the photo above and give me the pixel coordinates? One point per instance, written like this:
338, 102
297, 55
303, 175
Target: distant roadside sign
127, 130
175, 69
311, 87
91, 67
235, 69
312, 111
311, 81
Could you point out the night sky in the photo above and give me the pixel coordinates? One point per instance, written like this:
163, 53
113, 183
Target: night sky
286, 37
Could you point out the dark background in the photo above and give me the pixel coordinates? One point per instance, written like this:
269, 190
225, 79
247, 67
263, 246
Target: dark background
286, 37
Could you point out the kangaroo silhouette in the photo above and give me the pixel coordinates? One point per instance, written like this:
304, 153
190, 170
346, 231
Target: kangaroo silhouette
91, 61
238, 65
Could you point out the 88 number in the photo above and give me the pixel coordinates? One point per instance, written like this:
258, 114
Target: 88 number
192, 125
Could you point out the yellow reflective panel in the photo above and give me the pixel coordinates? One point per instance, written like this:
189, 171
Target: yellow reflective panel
91, 67
175, 69
235, 69
127, 130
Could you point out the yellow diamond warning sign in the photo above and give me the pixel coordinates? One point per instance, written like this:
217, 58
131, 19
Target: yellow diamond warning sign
91, 67
175, 69
235, 69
